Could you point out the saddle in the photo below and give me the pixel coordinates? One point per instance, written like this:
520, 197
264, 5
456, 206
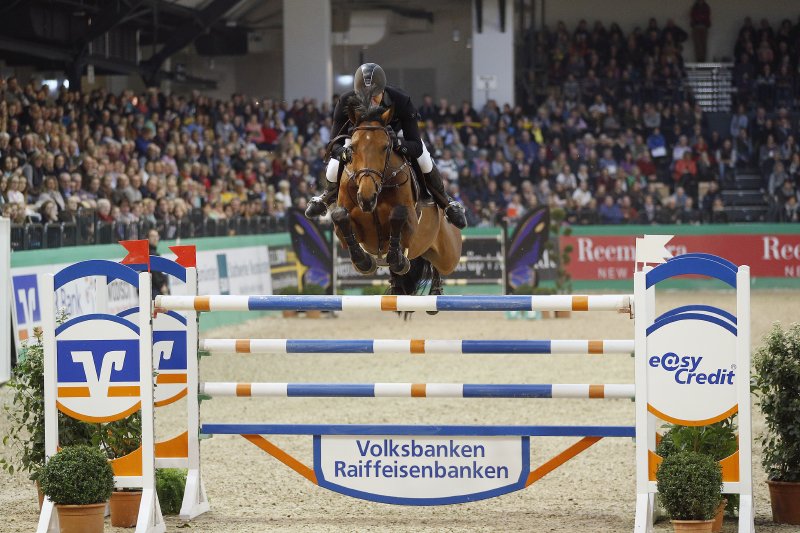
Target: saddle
422, 196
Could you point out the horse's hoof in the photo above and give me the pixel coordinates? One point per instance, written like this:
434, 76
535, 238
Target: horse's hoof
401, 269
367, 269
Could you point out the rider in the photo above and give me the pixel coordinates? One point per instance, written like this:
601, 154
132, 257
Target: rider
370, 85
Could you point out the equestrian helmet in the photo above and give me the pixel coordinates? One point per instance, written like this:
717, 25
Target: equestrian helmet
369, 81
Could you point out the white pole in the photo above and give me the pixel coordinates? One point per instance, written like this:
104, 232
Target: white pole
48, 518
149, 519
6, 301
746, 504
195, 501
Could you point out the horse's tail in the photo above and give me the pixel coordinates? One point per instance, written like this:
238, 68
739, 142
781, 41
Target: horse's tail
414, 281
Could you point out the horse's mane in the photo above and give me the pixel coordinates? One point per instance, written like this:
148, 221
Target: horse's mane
356, 107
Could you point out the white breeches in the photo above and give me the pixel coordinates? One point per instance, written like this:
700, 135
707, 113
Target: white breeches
425, 163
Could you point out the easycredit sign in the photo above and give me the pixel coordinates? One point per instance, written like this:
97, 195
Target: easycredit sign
611, 257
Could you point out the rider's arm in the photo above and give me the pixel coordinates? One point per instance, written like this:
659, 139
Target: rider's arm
407, 114
340, 125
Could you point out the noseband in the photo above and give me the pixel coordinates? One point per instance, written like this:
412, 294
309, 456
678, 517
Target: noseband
379, 178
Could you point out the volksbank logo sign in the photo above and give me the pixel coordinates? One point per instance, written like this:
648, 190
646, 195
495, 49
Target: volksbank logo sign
686, 370
421, 470
97, 368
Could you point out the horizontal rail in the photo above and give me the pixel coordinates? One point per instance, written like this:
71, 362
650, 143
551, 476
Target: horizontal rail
418, 431
447, 281
555, 302
416, 390
417, 346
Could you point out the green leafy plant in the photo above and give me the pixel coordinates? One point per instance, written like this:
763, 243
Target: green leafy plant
528, 289
777, 382
118, 438
77, 475
170, 484
312, 289
562, 253
717, 440
25, 412
288, 290
24, 441
689, 484
373, 290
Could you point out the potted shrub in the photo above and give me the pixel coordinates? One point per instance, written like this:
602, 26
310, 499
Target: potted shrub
289, 290
526, 289
170, 485
78, 480
689, 484
777, 383
118, 439
373, 290
718, 441
313, 290
24, 441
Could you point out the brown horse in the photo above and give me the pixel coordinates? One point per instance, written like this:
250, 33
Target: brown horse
380, 219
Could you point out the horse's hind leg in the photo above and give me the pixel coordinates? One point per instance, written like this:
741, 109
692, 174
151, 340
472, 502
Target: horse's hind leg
398, 262
362, 261
436, 287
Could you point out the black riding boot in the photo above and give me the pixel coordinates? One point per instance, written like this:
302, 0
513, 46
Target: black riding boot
318, 205
453, 211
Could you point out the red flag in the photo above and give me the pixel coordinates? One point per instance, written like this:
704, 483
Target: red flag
138, 253
186, 255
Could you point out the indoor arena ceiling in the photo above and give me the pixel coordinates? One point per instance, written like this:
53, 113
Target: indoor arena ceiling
120, 36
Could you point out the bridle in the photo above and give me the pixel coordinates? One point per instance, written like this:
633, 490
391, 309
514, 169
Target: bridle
379, 178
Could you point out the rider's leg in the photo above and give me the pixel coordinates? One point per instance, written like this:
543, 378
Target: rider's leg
318, 205
453, 211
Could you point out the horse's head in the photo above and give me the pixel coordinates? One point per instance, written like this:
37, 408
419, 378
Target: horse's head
371, 146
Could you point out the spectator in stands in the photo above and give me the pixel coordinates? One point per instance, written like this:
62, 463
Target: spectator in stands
790, 211
14, 192
685, 173
726, 157
610, 212
777, 178
690, 215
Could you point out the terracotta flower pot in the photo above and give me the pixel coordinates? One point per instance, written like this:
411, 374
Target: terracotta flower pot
314, 314
40, 494
785, 499
563, 314
717, 527
289, 314
125, 508
82, 518
692, 525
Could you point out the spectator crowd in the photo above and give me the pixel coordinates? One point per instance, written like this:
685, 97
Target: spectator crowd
616, 139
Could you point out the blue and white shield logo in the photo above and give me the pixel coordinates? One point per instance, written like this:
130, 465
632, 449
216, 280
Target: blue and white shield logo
97, 368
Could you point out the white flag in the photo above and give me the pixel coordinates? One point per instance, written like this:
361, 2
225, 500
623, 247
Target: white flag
652, 249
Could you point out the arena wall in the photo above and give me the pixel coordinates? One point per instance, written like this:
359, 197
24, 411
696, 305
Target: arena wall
601, 260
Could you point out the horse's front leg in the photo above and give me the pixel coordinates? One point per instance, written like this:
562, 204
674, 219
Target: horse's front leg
436, 287
398, 262
362, 261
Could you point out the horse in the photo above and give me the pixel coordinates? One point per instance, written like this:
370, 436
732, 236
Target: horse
380, 218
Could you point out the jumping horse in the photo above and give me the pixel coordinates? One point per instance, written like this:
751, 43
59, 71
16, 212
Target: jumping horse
380, 217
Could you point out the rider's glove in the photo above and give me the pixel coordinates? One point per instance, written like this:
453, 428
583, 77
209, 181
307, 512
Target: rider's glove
344, 154
397, 144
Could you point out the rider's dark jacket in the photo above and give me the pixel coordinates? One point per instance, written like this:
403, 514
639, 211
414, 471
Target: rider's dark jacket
404, 118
